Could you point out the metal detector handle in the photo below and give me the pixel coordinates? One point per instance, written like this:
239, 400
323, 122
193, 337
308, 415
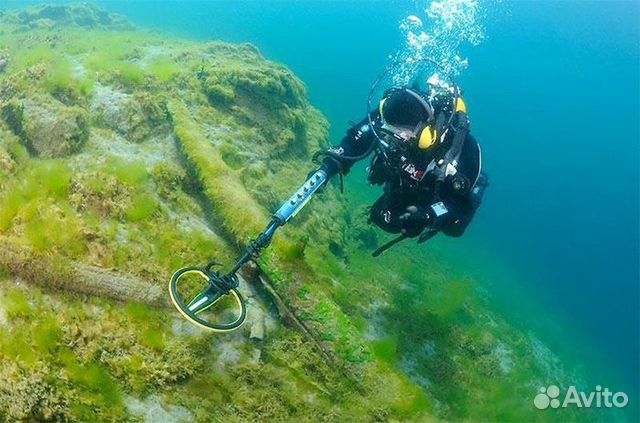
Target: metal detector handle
301, 197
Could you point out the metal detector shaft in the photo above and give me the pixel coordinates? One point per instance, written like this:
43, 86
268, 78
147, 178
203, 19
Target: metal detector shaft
283, 215
220, 285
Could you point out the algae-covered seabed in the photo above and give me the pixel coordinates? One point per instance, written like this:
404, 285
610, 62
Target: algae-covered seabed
125, 155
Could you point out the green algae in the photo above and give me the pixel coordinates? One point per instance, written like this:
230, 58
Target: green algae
64, 86
164, 68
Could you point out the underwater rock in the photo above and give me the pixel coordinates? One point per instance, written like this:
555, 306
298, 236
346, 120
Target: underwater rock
84, 15
134, 116
109, 201
12, 113
262, 95
229, 353
255, 357
261, 84
3, 63
47, 127
53, 129
148, 192
3, 316
258, 330
152, 410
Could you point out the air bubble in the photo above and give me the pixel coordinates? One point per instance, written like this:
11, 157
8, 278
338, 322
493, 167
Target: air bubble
446, 26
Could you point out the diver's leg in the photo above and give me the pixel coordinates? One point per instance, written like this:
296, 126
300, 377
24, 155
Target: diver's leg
456, 227
466, 210
477, 192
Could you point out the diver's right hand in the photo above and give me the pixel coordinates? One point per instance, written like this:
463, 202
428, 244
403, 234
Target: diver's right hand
331, 165
435, 216
415, 214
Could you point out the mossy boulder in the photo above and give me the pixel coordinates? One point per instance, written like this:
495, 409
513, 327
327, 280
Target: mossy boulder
261, 84
135, 116
13, 115
80, 15
47, 127
99, 193
238, 80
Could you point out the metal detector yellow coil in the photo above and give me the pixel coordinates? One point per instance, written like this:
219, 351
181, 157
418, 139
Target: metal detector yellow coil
205, 299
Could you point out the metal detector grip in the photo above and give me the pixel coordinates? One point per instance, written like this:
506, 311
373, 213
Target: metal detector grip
301, 197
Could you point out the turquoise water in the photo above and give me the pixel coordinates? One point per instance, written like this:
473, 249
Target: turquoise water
553, 97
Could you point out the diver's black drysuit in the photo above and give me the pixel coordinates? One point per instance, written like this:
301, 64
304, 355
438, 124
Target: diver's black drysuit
438, 189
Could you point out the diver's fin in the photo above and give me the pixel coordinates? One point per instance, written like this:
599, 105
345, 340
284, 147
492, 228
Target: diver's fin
426, 236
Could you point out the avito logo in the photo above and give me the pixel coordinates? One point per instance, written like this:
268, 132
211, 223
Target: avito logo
550, 396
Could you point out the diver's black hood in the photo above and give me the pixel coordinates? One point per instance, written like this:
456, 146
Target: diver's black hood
405, 108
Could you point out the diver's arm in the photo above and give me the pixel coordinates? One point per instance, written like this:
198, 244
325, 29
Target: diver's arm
356, 145
456, 198
458, 212
461, 196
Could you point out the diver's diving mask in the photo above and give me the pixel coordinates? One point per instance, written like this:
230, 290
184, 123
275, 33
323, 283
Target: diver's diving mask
407, 115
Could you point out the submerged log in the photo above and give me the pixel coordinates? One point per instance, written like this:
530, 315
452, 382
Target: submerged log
44, 272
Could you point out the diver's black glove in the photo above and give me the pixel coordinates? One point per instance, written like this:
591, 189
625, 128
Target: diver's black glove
330, 162
332, 166
434, 216
415, 214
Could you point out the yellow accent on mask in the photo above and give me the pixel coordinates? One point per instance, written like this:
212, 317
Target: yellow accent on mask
460, 106
427, 138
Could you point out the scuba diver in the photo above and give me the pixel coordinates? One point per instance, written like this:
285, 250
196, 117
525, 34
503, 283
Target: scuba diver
423, 155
